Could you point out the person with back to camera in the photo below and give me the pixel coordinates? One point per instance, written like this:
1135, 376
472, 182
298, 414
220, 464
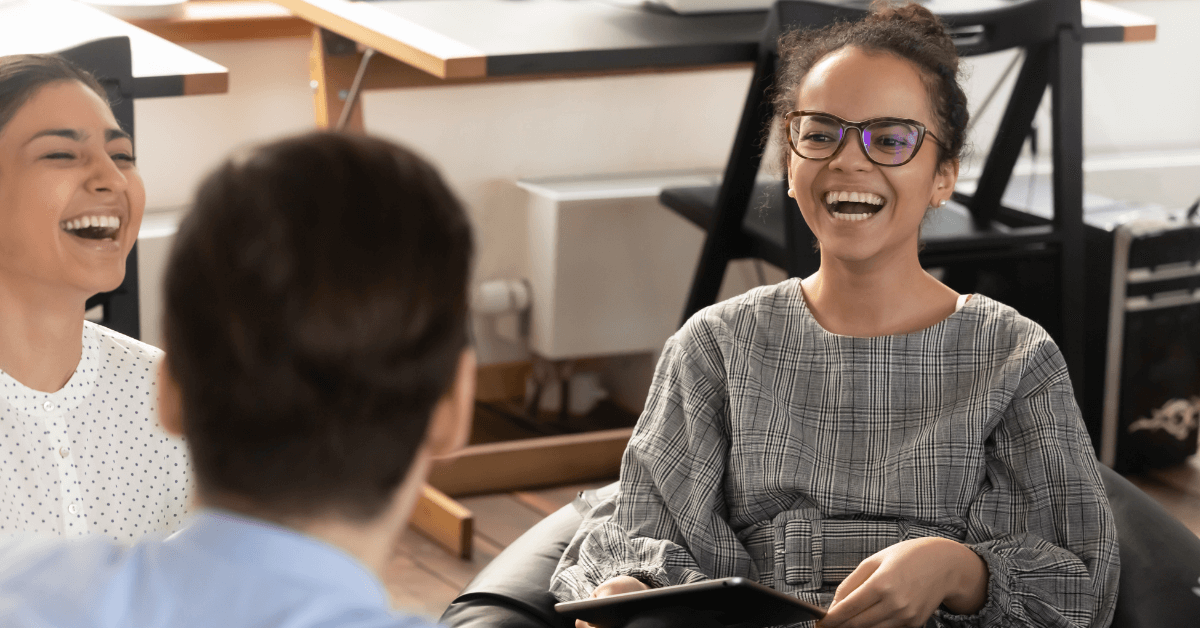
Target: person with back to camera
80, 450
318, 360
864, 438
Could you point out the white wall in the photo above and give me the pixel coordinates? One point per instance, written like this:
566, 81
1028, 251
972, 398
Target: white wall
1139, 99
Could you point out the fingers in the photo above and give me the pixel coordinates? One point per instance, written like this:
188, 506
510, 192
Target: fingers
875, 603
619, 584
855, 580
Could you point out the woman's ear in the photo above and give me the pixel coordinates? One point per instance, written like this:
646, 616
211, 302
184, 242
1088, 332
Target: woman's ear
450, 424
170, 405
944, 181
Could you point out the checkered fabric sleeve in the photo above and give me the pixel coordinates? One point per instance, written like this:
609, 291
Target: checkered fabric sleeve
1041, 520
677, 449
773, 449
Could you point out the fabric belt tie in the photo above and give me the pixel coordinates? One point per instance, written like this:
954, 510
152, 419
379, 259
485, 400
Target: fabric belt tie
800, 553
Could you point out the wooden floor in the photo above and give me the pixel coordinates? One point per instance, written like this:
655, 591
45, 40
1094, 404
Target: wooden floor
423, 578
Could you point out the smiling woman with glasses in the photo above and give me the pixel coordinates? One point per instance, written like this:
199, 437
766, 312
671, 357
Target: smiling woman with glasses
864, 438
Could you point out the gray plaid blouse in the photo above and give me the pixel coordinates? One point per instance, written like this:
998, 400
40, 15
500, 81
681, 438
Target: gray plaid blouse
772, 449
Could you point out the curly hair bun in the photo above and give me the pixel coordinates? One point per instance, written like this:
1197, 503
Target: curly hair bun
913, 16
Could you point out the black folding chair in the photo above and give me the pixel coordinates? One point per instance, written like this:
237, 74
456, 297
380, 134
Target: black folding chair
110, 60
745, 219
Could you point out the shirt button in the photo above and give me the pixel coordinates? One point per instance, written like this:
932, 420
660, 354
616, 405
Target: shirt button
64, 451
73, 509
49, 406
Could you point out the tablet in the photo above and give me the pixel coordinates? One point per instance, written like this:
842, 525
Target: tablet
730, 601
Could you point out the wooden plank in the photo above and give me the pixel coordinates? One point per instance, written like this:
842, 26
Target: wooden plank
401, 39
332, 76
227, 20
501, 518
199, 84
1137, 27
532, 463
445, 521
549, 500
432, 558
536, 502
388, 73
501, 382
414, 589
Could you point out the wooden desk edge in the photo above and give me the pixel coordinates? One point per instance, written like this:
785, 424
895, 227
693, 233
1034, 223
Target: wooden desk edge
227, 20
1137, 27
201, 84
431, 52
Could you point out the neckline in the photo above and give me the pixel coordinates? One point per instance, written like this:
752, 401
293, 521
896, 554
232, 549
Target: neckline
243, 540
29, 401
970, 298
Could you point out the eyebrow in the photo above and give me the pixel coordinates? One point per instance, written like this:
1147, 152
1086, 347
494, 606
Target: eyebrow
79, 136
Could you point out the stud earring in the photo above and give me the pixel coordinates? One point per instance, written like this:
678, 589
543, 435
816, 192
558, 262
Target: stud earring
942, 204
792, 192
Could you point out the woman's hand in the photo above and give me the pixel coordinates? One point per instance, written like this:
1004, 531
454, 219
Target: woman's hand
902, 585
613, 586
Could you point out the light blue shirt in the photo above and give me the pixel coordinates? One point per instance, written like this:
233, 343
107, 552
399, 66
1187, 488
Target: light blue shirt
221, 571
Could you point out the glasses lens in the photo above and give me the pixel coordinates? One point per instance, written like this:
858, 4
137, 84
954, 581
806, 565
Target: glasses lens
891, 143
815, 136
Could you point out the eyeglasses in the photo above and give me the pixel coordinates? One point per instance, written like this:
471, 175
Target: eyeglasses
885, 141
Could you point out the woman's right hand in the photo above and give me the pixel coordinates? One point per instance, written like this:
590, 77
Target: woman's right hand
613, 586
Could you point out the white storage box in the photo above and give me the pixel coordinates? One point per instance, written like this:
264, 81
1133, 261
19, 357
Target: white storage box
610, 267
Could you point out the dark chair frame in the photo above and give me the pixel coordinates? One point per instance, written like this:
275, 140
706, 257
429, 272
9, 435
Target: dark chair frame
111, 61
746, 219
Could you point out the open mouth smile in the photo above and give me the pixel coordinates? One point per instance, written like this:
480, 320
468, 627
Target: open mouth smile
93, 227
853, 206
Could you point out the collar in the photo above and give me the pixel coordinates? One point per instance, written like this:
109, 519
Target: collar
265, 546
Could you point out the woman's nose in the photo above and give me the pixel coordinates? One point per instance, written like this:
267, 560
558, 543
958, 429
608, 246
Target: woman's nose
106, 176
851, 155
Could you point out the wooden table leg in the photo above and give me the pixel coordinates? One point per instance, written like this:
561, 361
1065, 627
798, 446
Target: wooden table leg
333, 62
445, 521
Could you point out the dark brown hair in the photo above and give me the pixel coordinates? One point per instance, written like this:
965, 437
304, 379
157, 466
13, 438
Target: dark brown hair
21, 76
316, 310
909, 31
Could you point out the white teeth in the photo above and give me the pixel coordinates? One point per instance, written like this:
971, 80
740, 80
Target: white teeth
104, 222
852, 197
851, 217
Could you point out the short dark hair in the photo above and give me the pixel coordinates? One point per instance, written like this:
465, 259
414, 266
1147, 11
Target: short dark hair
21, 76
316, 312
909, 31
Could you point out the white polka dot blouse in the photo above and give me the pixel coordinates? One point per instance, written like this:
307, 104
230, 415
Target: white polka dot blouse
91, 458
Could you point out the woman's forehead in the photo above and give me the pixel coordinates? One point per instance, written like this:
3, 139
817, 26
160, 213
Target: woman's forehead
858, 85
66, 104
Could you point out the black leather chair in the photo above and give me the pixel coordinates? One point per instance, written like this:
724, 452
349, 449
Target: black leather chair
1160, 568
745, 218
111, 61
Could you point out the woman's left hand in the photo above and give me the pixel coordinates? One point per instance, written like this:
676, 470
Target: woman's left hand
902, 585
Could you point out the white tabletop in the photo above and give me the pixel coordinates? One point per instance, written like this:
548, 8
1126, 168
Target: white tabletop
160, 68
